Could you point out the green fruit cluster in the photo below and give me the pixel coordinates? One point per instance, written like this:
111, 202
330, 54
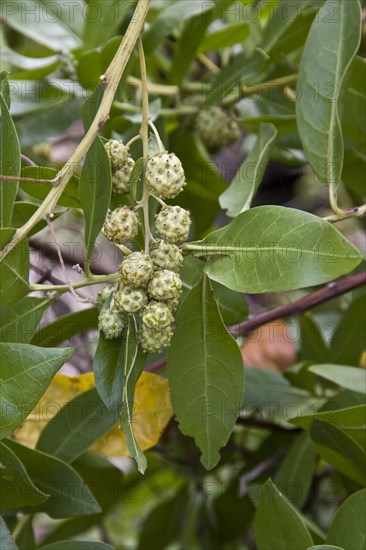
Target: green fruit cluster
121, 165
216, 128
149, 285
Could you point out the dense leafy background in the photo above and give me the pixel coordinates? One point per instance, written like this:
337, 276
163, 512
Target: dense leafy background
277, 462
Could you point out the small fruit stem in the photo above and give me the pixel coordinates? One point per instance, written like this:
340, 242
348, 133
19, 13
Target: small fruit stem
144, 132
158, 139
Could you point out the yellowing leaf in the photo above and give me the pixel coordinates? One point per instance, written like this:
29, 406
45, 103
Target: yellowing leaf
151, 412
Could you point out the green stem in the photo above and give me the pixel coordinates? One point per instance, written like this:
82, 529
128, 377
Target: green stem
145, 142
20, 526
247, 91
93, 280
110, 80
357, 212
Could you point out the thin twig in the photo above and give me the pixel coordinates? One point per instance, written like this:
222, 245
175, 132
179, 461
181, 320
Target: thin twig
78, 297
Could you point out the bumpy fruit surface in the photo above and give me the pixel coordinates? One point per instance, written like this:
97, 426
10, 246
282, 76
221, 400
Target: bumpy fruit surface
104, 294
111, 323
173, 304
117, 152
157, 316
216, 128
165, 175
173, 223
121, 225
130, 300
166, 256
121, 177
154, 341
137, 270
165, 285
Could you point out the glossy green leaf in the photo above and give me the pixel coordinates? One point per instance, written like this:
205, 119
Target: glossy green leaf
77, 545
14, 269
339, 450
26, 372
6, 539
240, 68
277, 524
79, 423
348, 526
69, 496
271, 248
350, 378
17, 489
9, 163
95, 181
37, 22
348, 340
296, 471
70, 196
19, 321
132, 364
239, 195
206, 374
66, 327
331, 46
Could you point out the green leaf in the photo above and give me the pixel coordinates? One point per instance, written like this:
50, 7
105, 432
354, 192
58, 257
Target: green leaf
112, 359
66, 327
163, 524
37, 22
69, 496
69, 197
350, 420
348, 525
19, 321
350, 378
17, 489
96, 180
102, 19
168, 19
332, 44
240, 68
80, 423
224, 38
271, 248
348, 341
6, 540
325, 547
23, 211
277, 524
339, 450
26, 372
133, 364
9, 163
239, 195
233, 307
287, 19
77, 545
296, 472
206, 373
313, 347
14, 269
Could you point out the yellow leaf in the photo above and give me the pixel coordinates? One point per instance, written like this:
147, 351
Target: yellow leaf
152, 411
